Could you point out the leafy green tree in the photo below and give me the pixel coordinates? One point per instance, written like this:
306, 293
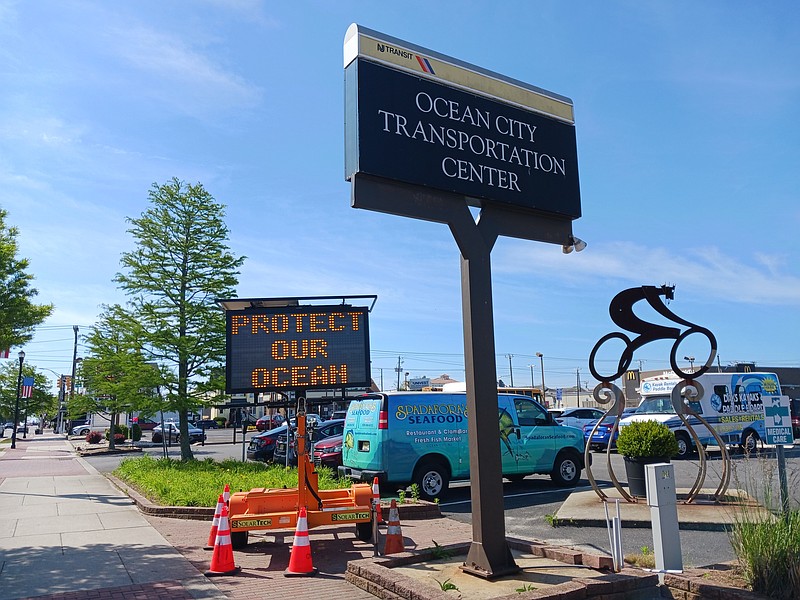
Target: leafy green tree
41, 400
180, 266
18, 314
116, 374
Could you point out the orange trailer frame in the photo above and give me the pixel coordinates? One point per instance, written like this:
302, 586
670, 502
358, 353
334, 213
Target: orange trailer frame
278, 508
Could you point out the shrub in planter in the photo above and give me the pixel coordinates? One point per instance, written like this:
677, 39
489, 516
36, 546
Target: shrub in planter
641, 443
221, 422
647, 439
136, 432
94, 437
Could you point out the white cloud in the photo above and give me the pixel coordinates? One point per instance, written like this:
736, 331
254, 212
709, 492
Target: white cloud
707, 271
188, 79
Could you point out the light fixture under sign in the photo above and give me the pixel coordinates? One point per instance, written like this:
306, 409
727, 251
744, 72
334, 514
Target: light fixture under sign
573, 243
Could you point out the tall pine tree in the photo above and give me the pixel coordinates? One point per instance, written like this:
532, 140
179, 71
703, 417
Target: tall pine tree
180, 266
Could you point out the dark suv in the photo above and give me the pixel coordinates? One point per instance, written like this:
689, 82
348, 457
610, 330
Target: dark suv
322, 430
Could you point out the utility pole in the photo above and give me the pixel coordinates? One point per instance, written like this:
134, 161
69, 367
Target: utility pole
399, 370
510, 368
578, 386
74, 363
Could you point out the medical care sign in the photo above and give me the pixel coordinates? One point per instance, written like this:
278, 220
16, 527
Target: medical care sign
297, 348
422, 118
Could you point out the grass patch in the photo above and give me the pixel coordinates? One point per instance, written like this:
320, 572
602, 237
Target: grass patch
767, 548
171, 482
766, 542
645, 560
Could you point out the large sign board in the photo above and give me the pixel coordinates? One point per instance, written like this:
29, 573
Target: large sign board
416, 116
297, 348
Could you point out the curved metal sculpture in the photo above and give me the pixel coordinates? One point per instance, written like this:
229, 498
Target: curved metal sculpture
603, 393
623, 314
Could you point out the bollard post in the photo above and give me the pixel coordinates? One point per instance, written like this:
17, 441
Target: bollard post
663, 503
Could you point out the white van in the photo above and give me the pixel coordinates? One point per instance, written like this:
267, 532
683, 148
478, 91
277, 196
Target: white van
731, 403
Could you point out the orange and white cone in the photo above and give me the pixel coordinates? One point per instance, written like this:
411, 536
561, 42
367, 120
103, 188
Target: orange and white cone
394, 535
376, 500
212, 535
226, 495
222, 559
300, 563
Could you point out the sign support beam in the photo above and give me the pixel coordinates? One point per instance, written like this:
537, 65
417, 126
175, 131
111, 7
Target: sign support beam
489, 555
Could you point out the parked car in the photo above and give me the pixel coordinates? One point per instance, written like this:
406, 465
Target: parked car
262, 445
600, 439
206, 424
173, 433
21, 428
794, 406
268, 422
146, 424
328, 452
81, 429
318, 432
578, 417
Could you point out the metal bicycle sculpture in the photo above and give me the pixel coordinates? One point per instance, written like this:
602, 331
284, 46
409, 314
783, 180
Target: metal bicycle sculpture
622, 313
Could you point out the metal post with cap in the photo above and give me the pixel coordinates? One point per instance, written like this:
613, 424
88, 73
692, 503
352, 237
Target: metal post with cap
16, 400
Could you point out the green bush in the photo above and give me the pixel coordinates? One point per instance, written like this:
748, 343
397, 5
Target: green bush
220, 421
646, 439
136, 432
119, 430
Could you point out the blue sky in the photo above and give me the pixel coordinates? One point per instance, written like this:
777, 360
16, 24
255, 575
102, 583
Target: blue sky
687, 121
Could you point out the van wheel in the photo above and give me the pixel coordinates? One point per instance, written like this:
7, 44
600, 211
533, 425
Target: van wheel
432, 478
750, 441
364, 531
238, 539
685, 448
567, 469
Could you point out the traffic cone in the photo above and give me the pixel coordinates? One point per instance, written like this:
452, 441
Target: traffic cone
394, 535
300, 564
376, 500
212, 535
226, 495
222, 559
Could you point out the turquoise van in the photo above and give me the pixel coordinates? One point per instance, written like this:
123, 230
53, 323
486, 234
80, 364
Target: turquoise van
421, 437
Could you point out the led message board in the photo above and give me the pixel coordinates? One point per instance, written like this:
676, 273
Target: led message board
422, 118
297, 348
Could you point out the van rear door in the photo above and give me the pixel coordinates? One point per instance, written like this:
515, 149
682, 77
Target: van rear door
363, 450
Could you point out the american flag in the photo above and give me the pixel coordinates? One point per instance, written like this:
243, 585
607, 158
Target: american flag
27, 388
5, 353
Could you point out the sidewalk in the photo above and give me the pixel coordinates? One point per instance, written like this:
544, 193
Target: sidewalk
65, 530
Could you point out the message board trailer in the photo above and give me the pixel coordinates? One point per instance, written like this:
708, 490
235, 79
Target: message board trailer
295, 347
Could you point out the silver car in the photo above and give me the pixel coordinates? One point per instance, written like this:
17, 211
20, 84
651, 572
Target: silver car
81, 429
173, 433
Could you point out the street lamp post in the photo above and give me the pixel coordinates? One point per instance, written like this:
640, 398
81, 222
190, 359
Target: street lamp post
16, 401
544, 389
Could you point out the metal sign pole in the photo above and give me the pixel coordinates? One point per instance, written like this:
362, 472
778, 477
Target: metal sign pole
782, 479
